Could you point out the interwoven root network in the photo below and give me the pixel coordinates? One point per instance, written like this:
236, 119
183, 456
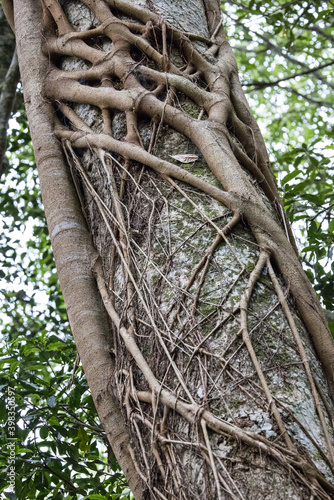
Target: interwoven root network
197, 263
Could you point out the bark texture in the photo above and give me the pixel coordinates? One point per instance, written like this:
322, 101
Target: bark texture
202, 365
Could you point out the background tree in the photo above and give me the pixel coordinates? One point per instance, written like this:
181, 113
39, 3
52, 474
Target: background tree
173, 145
9, 75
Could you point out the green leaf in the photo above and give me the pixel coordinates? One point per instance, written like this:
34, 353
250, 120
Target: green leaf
44, 432
290, 176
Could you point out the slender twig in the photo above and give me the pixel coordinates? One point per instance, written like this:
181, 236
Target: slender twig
246, 338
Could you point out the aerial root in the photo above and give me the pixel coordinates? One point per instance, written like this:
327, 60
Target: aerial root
254, 276
304, 358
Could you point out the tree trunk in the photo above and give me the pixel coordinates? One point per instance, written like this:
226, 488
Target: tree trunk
9, 77
203, 343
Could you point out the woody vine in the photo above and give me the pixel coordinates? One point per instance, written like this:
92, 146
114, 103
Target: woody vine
139, 75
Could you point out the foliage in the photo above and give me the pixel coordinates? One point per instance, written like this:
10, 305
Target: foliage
59, 443
279, 46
